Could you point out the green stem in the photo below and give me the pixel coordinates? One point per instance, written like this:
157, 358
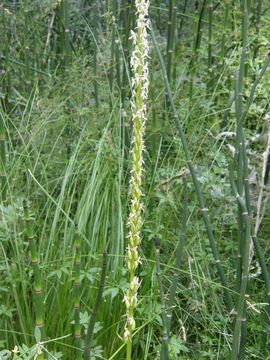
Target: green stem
92, 321
179, 255
164, 354
38, 291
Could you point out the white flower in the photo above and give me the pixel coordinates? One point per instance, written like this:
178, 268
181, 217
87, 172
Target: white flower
140, 84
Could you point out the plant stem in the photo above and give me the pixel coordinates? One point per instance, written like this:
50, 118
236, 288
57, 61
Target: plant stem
38, 291
164, 354
92, 321
179, 254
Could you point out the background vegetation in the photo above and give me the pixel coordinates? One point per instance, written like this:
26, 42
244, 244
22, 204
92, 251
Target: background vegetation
65, 167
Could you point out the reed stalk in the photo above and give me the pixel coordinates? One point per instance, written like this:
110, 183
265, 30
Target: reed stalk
92, 321
139, 64
38, 291
200, 197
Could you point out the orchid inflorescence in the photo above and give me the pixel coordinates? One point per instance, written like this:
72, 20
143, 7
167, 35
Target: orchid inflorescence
140, 83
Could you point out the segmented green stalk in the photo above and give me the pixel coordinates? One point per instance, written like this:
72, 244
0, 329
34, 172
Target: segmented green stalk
225, 27
179, 253
5, 78
171, 35
38, 292
113, 44
95, 33
196, 46
3, 177
139, 64
92, 321
128, 19
64, 45
77, 293
210, 41
258, 14
164, 355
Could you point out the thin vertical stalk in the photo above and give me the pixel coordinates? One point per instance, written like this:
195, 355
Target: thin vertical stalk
63, 25
164, 354
113, 45
196, 46
66, 29
128, 21
171, 35
240, 323
5, 77
258, 15
210, 44
77, 293
38, 291
200, 197
179, 254
95, 33
3, 175
92, 321
224, 32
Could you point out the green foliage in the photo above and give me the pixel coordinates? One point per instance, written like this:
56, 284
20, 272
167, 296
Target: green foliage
65, 111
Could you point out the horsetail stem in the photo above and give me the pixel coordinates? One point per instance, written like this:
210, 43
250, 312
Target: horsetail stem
196, 45
77, 292
139, 64
179, 253
92, 321
164, 355
210, 45
128, 17
38, 291
113, 45
95, 33
66, 49
3, 177
171, 35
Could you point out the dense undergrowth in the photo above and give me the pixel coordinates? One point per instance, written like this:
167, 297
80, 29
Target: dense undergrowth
65, 140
